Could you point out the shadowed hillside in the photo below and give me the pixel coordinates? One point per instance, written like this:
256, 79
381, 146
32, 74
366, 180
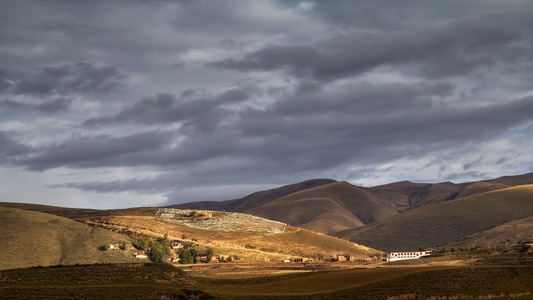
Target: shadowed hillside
405, 195
30, 238
447, 222
327, 208
256, 199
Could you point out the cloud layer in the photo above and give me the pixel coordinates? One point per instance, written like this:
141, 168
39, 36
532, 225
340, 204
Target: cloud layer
129, 103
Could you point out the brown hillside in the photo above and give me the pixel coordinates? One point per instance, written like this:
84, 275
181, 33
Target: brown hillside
73, 213
513, 232
293, 242
446, 222
30, 238
256, 199
327, 208
330, 209
403, 196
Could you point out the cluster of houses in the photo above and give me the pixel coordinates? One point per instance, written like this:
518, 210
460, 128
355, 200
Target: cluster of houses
176, 247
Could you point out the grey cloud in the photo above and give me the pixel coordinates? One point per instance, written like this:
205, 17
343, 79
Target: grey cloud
273, 142
10, 148
384, 15
319, 89
147, 186
202, 111
5, 85
6, 79
456, 48
467, 174
69, 78
297, 59
95, 151
53, 106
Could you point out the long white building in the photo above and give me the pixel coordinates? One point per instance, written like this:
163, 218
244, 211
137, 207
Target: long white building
394, 256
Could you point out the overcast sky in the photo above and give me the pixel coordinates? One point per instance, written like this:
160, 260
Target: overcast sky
110, 104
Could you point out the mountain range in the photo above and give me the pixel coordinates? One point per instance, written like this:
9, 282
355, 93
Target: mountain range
401, 215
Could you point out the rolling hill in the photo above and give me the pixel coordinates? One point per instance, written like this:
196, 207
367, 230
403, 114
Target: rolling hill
328, 206
443, 223
31, 238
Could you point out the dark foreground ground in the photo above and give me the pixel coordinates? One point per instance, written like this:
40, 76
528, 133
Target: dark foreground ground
163, 281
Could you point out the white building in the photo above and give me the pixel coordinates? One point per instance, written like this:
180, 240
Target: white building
394, 256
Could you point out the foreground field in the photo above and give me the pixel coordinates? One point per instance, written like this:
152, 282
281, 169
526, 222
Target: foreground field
162, 281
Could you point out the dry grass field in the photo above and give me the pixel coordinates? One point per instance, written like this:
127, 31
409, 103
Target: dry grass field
162, 281
293, 242
30, 238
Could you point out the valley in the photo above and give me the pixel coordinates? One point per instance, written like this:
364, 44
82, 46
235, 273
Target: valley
479, 236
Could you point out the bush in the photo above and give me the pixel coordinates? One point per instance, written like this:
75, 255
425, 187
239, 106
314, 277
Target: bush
159, 252
123, 246
209, 254
104, 247
186, 257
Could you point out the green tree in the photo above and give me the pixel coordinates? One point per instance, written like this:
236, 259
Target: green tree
141, 243
159, 252
165, 237
186, 257
209, 254
422, 248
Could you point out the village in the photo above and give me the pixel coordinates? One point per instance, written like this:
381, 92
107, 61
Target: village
192, 251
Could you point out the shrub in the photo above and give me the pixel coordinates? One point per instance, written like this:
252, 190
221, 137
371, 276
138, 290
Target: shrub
104, 247
159, 252
186, 257
209, 254
123, 246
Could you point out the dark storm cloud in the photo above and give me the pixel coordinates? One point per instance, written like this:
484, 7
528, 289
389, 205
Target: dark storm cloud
68, 78
6, 77
189, 96
10, 148
193, 107
287, 140
456, 48
137, 185
53, 106
97, 151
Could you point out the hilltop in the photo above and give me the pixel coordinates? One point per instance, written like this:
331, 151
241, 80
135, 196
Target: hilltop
351, 212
